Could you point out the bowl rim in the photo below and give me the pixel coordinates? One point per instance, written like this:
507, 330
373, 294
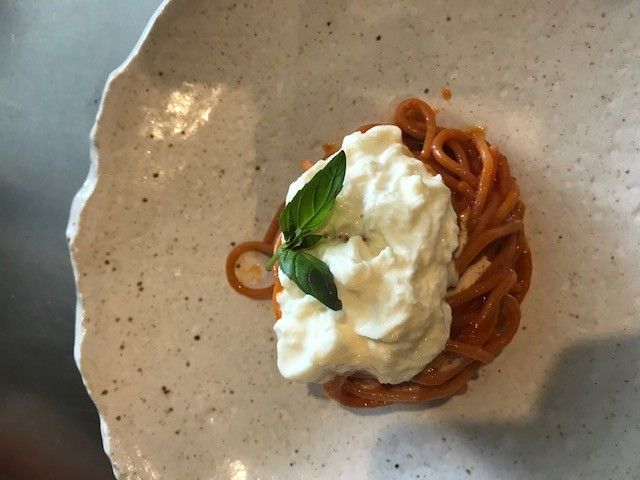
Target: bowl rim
79, 202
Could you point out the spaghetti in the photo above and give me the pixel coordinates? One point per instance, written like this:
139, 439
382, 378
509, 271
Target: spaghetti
485, 314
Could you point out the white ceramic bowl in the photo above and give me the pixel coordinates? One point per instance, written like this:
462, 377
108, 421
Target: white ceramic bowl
198, 136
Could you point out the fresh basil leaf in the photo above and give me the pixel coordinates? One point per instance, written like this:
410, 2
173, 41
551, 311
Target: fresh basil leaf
313, 203
311, 275
307, 241
287, 224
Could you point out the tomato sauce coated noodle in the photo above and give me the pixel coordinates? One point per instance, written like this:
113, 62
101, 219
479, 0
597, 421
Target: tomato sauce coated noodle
485, 314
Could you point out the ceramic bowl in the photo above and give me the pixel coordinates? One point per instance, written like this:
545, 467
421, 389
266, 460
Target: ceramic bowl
198, 136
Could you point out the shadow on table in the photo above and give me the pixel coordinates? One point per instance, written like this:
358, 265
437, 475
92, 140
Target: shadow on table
585, 424
47, 423
37, 443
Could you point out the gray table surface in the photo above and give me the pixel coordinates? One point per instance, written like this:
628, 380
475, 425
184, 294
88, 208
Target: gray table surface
55, 56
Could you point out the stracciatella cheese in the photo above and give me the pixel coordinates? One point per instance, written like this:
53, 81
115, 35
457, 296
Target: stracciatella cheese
389, 244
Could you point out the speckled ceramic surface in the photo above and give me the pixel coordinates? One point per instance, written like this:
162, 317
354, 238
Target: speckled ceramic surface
198, 137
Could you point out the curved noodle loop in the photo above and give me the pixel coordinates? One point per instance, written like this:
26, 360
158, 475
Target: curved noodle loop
486, 314
265, 247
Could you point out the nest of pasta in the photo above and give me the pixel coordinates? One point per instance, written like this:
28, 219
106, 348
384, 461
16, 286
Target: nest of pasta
493, 251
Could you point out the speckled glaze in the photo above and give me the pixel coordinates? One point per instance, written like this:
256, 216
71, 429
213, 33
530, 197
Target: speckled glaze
197, 139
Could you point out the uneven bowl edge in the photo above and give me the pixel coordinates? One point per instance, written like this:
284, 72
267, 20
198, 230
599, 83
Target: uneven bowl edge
80, 200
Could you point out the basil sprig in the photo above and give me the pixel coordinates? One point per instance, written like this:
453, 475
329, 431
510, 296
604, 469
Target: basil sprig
309, 209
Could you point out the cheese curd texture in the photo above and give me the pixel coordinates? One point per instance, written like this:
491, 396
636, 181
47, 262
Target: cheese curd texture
389, 244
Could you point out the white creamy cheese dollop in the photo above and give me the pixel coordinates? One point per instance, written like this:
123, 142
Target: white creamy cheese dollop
390, 242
